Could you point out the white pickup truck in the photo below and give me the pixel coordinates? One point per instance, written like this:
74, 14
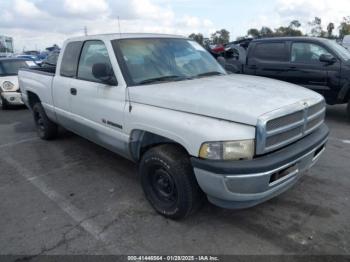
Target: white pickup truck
165, 103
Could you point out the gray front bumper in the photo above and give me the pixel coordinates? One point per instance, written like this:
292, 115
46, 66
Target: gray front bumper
241, 189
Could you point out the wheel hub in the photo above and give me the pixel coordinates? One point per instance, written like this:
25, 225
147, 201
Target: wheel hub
164, 185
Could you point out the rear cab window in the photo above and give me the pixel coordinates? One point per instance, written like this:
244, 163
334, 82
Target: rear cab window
273, 51
69, 64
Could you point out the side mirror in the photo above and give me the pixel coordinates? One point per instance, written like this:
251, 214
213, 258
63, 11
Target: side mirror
329, 59
104, 73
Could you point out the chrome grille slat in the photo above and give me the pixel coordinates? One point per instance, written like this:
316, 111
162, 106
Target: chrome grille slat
315, 108
284, 120
314, 123
284, 129
278, 129
284, 137
311, 117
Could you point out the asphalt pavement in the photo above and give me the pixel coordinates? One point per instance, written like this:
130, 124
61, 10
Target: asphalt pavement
70, 196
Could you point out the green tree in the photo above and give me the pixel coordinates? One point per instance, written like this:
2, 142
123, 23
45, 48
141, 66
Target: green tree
316, 27
330, 29
254, 32
266, 32
291, 30
220, 37
197, 37
287, 31
295, 24
344, 28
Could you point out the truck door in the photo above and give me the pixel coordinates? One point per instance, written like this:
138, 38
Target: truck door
98, 106
269, 59
306, 69
62, 83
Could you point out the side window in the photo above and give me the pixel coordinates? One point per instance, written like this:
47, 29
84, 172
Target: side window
307, 53
70, 59
94, 52
271, 51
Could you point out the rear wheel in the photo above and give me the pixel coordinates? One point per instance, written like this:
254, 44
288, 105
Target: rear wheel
169, 182
46, 129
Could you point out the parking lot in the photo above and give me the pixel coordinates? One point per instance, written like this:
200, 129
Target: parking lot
70, 196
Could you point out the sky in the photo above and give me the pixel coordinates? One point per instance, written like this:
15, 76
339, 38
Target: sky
36, 24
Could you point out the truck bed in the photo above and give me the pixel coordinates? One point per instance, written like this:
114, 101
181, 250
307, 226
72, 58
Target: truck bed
38, 81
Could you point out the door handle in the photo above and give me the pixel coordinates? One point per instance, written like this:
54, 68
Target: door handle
73, 91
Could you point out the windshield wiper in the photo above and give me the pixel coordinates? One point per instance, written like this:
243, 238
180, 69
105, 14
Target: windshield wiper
162, 79
210, 73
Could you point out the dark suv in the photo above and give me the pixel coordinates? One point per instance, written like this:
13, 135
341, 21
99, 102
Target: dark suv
319, 64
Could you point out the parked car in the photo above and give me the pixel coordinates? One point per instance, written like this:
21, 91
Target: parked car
9, 90
346, 42
32, 52
233, 58
316, 63
193, 129
33, 58
242, 42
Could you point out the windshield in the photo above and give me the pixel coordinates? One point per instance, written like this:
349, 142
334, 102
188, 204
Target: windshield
8, 68
340, 50
161, 59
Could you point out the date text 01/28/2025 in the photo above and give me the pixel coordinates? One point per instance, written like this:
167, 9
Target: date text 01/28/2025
173, 258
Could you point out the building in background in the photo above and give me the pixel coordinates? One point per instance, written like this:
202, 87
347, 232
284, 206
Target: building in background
6, 46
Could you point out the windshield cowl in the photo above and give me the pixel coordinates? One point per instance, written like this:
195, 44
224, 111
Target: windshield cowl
178, 78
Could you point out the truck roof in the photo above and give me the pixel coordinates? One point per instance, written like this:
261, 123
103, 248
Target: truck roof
290, 38
123, 36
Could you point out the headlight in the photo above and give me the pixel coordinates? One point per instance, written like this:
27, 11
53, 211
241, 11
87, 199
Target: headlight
232, 150
8, 86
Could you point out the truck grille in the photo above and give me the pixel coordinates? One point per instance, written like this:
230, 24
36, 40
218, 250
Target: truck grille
281, 128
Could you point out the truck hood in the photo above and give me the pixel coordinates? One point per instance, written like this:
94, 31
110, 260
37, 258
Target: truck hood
238, 98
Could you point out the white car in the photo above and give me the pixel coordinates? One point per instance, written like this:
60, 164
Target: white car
9, 90
164, 102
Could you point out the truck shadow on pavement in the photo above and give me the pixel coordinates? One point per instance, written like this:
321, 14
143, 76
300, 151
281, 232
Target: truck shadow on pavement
292, 222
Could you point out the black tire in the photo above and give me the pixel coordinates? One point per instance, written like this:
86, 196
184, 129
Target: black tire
46, 129
169, 183
4, 105
348, 110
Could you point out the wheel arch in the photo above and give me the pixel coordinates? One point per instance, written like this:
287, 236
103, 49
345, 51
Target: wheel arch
33, 98
142, 140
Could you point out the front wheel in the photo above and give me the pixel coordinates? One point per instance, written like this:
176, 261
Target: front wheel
169, 182
46, 129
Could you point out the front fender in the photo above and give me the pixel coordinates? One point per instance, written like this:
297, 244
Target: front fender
188, 130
